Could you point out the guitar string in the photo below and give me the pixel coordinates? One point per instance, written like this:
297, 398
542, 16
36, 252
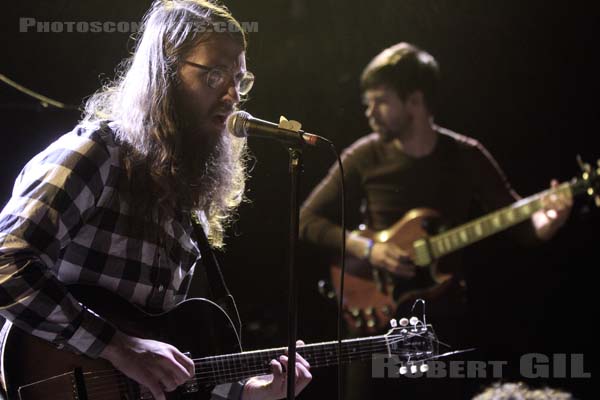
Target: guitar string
222, 360
224, 370
96, 389
107, 390
220, 364
219, 371
227, 372
311, 347
117, 388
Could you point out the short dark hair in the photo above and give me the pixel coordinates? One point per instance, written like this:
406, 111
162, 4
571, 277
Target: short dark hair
404, 68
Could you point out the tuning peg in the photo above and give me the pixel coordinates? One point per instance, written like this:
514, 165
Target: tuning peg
414, 321
413, 369
393, 323
403, 322
424, 368
403, 370
585, 167
325, 289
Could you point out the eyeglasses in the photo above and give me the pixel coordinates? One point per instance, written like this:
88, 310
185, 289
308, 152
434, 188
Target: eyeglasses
216, 77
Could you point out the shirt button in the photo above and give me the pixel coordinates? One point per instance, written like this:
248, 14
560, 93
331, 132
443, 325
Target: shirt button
161, 288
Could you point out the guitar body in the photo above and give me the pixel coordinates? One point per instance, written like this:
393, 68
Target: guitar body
371, 295
34, 369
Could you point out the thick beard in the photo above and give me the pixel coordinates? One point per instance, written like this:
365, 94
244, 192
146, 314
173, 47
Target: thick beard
209, 168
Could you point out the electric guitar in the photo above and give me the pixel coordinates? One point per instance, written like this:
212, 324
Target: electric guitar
33, 369
372, 296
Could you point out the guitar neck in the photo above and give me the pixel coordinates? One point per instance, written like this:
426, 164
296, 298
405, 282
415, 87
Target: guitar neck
238, 366
497, 221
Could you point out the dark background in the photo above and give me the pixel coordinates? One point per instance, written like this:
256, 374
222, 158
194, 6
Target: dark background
519, 76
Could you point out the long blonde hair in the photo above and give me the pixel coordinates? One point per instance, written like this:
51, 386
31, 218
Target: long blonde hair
140, 101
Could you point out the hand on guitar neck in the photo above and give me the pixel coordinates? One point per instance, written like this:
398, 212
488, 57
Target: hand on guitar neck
557, 207
274, 386
162, 368
387, 255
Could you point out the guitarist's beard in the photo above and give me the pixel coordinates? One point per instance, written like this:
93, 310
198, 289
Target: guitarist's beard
401, 128
207, 165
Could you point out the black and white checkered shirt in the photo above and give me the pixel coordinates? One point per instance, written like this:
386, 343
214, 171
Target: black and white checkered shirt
70, 221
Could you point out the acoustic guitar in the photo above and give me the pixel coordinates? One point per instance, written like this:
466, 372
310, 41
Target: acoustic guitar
33, 369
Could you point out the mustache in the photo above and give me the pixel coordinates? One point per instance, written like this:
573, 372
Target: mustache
225, 109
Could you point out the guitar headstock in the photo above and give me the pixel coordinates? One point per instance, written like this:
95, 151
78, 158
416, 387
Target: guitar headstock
590, 177
413, 342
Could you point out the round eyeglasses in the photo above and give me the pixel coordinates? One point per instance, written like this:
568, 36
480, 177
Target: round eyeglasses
216, 77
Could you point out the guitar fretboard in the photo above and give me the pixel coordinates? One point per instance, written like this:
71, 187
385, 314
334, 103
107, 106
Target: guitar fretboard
235, 367
490, 224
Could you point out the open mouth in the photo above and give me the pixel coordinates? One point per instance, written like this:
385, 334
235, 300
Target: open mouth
220, 119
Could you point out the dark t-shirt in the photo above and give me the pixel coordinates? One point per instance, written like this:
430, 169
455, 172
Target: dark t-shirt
383, 183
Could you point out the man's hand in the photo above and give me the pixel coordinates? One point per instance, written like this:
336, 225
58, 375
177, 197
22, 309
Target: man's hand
382, 255
393, 259
557, 208
274, 386
158, 366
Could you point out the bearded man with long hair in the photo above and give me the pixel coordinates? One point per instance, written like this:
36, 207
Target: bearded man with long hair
112, 203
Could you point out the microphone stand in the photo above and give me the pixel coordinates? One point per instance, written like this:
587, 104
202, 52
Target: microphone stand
295, 168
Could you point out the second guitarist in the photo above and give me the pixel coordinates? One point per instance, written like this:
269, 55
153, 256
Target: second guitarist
409, 162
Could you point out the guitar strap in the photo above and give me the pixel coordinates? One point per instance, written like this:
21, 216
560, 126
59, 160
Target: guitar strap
216, 282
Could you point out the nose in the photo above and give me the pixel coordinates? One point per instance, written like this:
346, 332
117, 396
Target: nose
369, 111
232, 94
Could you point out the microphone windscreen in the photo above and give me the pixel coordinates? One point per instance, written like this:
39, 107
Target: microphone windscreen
236, 123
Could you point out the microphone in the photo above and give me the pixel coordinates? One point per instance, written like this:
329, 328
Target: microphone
242, 124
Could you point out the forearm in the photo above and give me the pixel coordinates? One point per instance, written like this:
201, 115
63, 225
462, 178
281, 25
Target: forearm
35, 301
319, 230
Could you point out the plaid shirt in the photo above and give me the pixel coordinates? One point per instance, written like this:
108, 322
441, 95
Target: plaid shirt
70, 221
